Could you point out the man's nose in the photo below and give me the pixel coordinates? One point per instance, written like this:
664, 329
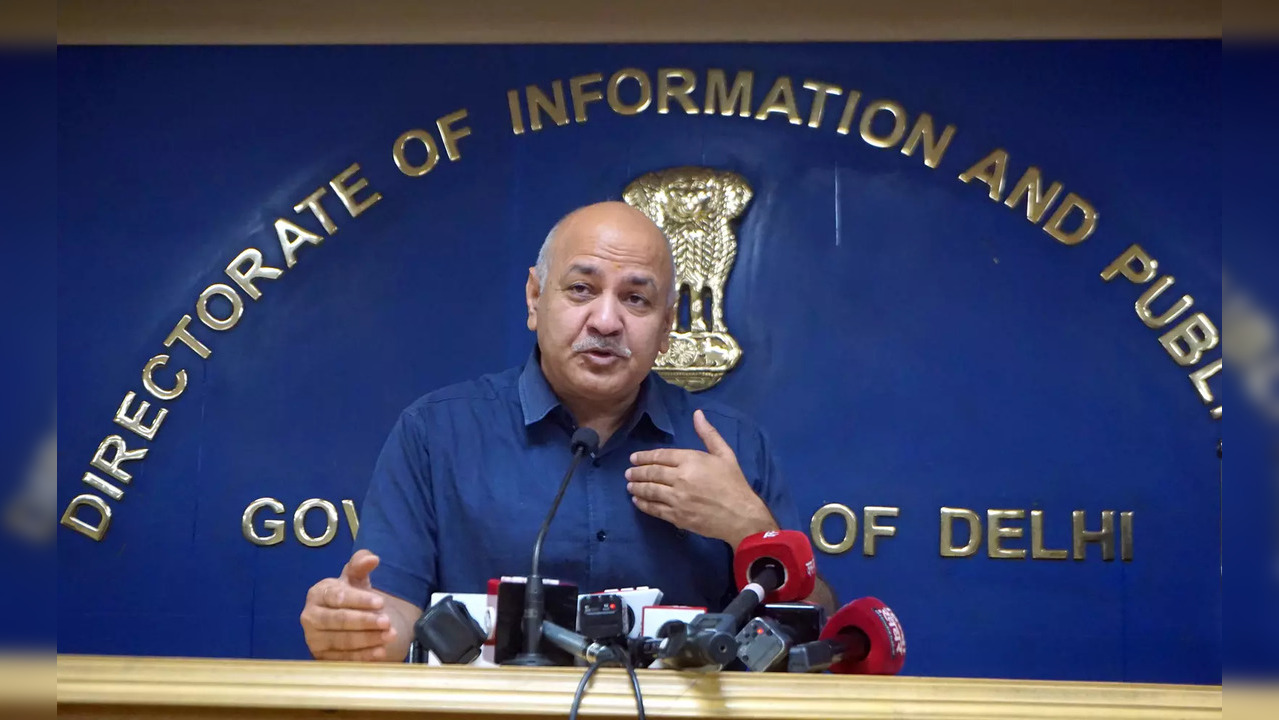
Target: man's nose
606, 316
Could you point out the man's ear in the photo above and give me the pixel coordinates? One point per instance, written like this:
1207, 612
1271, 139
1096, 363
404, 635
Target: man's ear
532, 293
669, 319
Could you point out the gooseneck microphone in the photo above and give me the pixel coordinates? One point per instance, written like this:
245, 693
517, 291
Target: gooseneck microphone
585, 442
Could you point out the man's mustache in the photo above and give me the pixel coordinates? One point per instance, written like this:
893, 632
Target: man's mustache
600, 342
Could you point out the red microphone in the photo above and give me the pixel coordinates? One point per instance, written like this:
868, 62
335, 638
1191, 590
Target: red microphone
862, 638
784, 552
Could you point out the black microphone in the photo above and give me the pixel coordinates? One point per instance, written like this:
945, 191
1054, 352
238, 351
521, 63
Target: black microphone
585, 442
711, 638
580, 646
769, 563
448, 630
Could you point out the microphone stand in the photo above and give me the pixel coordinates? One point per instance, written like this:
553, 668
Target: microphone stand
585, 441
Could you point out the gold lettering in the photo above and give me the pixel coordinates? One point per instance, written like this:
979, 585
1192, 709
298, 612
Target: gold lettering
347, 192
160, 393
256, 268
122, 454
1137, 274
1187, 342
850, 109
582, 96
934, 148
276, 527
718, 94
850, 529
103, 486
538, 103
402, 161
780, 99
990, 170
283, 229
899, 123
1148, 297
948, 517
216, 323
134, 421
645, 92
996, 532
312, 202
871, 531
1086, 226
450, 135
179, 332
1038, 551
1029, 187
330, 518
820, 90
353, 520
517, 115
1199, 379
1105, 536
666, 90
94, 531
1125, 536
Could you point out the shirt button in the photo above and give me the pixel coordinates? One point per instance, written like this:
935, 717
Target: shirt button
601, 536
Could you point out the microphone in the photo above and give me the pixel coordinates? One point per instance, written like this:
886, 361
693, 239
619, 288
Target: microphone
448, 630
777, 565
585, 442
787, 552
580, 646
862, 638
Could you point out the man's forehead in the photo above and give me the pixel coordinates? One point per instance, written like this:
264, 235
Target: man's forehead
607, 245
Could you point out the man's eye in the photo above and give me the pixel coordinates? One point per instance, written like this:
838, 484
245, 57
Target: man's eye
579, 289
638, 300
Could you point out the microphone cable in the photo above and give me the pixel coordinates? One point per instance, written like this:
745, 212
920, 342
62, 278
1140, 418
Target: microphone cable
639, 699
586, 678
581, 689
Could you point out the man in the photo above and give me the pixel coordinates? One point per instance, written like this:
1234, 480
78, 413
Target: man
469, 472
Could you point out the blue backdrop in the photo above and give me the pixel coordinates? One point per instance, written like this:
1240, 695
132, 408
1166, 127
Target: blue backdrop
907, 342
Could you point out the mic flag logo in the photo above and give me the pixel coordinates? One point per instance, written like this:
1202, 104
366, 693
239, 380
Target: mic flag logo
695, 208
894, 629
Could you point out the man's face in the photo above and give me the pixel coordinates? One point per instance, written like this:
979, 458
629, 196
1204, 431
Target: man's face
602, 317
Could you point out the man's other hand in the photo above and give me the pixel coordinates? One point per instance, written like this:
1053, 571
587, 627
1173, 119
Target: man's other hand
346, 619
703, 492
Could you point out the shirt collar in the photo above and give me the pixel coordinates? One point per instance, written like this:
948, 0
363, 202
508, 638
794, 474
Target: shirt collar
537, 400
536, 397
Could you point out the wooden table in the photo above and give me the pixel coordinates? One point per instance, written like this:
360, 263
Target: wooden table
146, 687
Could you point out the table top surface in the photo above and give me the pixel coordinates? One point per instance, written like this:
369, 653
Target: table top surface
218, 683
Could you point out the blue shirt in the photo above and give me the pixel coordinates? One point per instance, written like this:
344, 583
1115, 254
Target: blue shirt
469, 471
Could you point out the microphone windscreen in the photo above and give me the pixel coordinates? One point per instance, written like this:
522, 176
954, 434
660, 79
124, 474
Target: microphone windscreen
887, 642
788, 548
448, 630
586, 439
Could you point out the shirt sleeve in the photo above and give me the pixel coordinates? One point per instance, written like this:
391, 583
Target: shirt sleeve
398, 522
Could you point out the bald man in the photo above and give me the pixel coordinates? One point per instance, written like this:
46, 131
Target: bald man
469, 471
